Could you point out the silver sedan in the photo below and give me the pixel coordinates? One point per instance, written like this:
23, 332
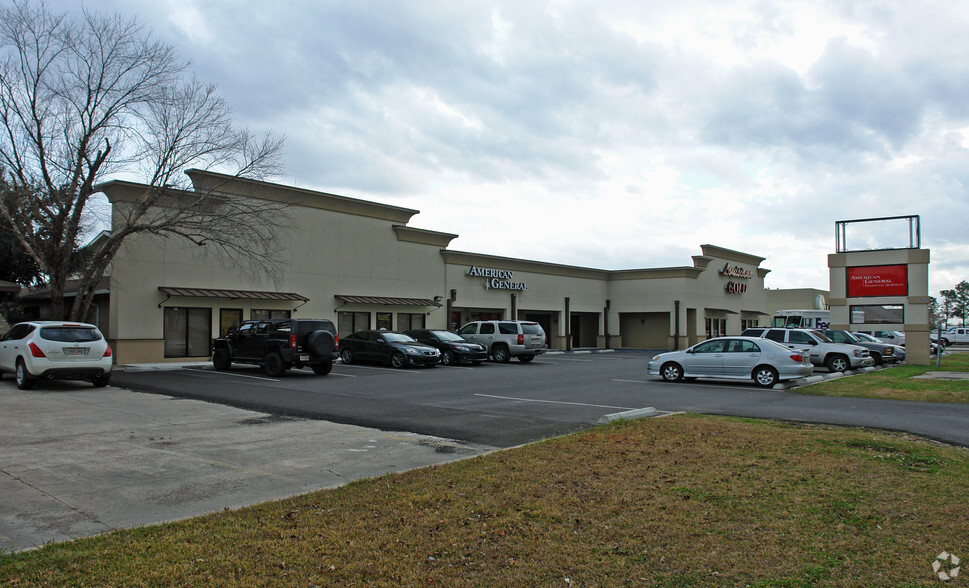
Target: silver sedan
764, 361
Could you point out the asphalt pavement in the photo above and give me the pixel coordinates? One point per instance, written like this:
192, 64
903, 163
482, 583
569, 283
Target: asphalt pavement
77, 461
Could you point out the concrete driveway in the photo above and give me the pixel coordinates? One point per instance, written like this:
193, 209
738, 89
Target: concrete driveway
77, 461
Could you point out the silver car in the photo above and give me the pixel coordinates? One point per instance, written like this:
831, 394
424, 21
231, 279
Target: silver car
55, 350
764, 361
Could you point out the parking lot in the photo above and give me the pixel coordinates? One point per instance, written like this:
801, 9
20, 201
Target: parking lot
504, 405
162, 444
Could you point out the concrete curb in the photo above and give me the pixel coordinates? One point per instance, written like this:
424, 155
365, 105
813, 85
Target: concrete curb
628, 414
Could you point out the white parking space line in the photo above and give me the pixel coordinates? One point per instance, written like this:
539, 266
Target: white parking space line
231, 374
380, 369
631, 381
554, 402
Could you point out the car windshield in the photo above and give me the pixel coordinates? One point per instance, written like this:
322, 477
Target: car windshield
70, 334
398, 338
447, 336
821, 336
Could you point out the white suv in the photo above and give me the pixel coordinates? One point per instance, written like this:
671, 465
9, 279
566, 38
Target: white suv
837, 357
507, 339
55, 350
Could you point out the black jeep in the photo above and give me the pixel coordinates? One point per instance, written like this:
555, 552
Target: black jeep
279, 344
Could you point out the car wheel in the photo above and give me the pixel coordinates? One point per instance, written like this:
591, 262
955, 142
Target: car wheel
765, 376
500, 354
671, 372
447, 358
221, 360
525, 358
24, 381
347, 356
101, 381
275, 366
945, 342
877, 357
838, 363
398, 360
321, 369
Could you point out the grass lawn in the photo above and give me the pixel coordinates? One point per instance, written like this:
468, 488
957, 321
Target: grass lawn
897, 383
685, 500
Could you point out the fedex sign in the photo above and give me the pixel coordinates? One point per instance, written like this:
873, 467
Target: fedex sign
877, 280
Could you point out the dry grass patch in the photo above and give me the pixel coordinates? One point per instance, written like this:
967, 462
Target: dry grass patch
899, 383
680, 501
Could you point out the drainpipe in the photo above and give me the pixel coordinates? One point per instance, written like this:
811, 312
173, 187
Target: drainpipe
450, 308
514, 306
676, 325
605, 321
568, 324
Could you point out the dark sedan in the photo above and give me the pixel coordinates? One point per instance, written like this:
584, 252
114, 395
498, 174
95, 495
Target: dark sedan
391, 347
454, 349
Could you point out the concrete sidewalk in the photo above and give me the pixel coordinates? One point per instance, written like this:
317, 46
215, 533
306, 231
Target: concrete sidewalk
77, 461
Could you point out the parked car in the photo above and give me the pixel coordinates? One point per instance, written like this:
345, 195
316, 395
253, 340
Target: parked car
880, 352
955, 335
837, 357
893, 337
454, 349
279, 344
396, 349
507, 339
55, 350
764, 361
898, 351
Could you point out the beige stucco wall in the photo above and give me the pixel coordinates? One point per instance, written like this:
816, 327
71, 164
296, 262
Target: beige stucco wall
345, 247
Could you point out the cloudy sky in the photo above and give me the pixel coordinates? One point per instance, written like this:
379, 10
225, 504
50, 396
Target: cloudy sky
611, 134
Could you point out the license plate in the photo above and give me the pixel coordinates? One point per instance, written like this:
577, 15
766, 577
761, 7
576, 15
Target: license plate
304, 357
75, 351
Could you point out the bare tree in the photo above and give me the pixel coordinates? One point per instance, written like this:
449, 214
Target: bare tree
85, 97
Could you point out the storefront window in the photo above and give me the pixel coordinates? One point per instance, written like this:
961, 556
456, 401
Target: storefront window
716, 327
406, 321
229, 318
351, 322
385, 321
187, 331
263, 314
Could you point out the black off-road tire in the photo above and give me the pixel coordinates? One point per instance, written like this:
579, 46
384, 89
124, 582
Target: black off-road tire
275, 366
321, 369
221, 359
320, 343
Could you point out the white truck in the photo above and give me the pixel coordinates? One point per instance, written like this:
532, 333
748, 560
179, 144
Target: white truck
808, 319
955, 335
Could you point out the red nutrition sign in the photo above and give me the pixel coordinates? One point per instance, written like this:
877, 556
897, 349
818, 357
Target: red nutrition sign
878, 280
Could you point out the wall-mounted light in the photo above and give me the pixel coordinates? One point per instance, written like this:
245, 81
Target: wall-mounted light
438, 298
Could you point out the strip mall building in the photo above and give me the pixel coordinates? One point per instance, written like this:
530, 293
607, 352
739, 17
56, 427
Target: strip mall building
361, 265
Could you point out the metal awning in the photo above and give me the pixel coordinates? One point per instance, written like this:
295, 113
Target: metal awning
754, 312
387, 300
724, 310
231, 294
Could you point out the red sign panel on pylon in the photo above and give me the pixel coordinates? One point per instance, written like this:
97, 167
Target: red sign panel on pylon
877, 280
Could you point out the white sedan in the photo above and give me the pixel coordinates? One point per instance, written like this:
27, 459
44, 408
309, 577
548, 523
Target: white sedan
764, 361
55, 350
